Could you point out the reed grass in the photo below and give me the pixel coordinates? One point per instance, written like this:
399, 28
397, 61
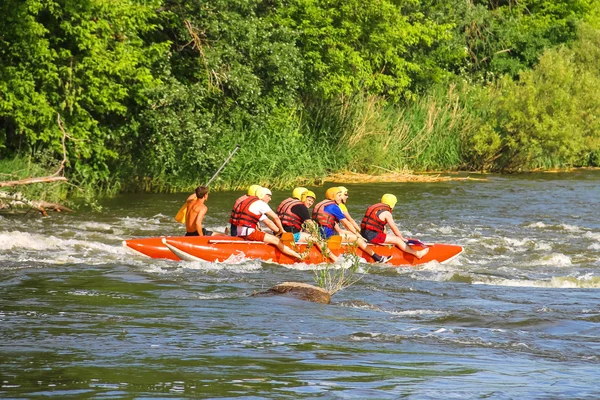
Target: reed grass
20, 167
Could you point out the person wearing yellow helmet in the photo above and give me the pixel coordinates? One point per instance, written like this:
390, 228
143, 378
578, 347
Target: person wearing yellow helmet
328, 214
308, 198
344, 208
250, 193
374, 223
293, 213
247, 216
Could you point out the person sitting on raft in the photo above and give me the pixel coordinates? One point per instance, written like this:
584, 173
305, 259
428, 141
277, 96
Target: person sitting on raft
377, 217
196, 210
292, 212
327, 214
294, 215
247, 218
308, 198
251, 192
344, 208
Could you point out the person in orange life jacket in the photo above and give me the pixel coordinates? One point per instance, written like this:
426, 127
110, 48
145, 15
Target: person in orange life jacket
196, 210
293, 213
344, 208
251, 192
377, 217
247, 218
327, 213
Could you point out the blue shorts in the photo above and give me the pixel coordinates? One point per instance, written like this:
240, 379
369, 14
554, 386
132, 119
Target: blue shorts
327, 232
297, 237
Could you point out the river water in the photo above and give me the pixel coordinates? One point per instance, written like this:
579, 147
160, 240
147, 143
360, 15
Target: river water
517, 315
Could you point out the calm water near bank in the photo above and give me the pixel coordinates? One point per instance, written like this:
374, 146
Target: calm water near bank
517, 315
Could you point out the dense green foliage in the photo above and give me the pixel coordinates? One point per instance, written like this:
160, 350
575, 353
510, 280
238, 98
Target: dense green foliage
155, 94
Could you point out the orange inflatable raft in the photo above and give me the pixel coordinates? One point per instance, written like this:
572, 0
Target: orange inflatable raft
222, 248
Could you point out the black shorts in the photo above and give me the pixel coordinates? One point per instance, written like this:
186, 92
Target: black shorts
195, 233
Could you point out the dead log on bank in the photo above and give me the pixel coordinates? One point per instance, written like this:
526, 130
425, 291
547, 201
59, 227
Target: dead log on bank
17, 200
301, 291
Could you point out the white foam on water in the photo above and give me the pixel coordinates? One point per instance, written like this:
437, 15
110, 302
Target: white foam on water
555, 260
538, 224
592, 235
25, 240
411, 313
443, 229
96, 226
542, 246
140, 224
595, 246
570, 228
437, 267
244, 267
587, 281
518, 245
215, 296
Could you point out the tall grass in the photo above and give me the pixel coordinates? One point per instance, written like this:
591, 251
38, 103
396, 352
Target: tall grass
425, 134
26, 167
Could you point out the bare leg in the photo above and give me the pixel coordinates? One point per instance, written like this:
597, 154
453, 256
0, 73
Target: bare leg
282, 247
405, 247
351, 237
305, 237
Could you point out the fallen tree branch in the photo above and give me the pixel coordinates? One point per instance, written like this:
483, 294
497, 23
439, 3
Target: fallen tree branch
27, 181
45, 179
17, 200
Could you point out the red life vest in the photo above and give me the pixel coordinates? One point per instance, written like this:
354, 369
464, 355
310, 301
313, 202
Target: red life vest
288, 218
323, 218
235, 206
371, 221
241, 216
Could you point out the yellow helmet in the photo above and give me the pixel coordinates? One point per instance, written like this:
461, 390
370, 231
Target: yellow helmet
262, 192
252, 190
389, 199
308, 193
332, 192
297, 193
343, 189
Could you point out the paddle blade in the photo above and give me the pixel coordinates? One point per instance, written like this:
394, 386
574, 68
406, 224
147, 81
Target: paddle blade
287, 238
334, 242
416, 242
180, 217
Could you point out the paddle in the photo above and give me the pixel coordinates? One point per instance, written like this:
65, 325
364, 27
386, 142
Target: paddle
180, 216
334, 242
417, 242
287, 238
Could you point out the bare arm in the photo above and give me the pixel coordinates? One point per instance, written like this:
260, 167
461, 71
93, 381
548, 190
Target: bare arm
352, 221
387, 217
276, 220
270, 224
349, 226
199, 218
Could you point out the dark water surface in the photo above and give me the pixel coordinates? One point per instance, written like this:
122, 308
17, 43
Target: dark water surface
517, 315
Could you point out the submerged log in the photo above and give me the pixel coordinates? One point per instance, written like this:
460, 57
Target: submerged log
298, 290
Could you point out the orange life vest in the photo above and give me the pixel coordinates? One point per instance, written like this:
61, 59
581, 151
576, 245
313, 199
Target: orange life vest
288, 218
323, 218
371, 222
241, 216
